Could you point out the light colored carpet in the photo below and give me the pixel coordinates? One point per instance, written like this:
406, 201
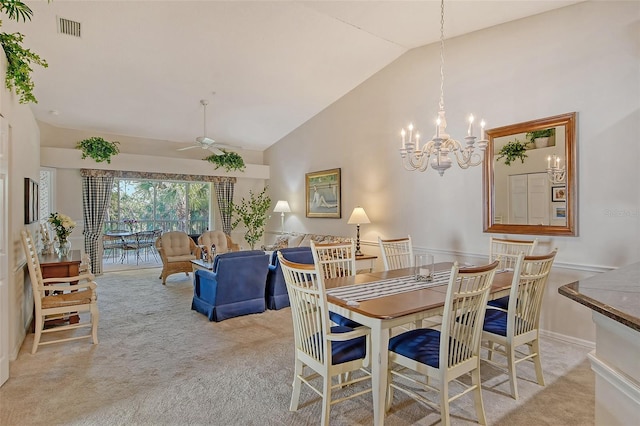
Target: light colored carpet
160, 363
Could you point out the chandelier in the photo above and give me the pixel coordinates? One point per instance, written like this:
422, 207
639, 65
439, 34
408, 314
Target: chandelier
555, 173
436, 151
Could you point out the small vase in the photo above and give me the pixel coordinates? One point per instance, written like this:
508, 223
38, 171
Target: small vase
63, 248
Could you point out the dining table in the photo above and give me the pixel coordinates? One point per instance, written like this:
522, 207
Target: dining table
386, 299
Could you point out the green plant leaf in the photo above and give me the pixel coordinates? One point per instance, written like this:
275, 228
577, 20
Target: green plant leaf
98, 149
252, 213
229, 160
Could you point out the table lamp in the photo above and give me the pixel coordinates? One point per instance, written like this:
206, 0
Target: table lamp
358, 216
282, 207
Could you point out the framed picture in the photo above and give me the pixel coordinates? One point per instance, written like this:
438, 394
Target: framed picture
31, 202
323, 194
558, 193
560, 212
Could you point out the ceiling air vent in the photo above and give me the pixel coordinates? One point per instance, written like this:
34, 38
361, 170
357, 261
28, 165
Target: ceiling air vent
69, 27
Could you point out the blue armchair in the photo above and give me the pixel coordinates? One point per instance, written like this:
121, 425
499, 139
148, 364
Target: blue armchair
277, 296
235, 287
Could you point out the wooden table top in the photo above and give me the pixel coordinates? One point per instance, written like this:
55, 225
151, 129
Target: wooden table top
401, 304
74, 257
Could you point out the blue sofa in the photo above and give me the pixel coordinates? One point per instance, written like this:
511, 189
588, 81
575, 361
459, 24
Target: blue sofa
235, 287
276, 293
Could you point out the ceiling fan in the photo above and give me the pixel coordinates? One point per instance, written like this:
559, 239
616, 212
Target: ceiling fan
207, 143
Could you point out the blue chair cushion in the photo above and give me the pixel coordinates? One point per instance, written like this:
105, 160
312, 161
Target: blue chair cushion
421, 344
495, 322
349, 350
502, 303
345, 322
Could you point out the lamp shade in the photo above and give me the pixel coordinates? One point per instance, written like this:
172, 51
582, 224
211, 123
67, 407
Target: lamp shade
358, 216
282, 206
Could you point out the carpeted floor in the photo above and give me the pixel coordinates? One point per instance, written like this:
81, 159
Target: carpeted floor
160, 363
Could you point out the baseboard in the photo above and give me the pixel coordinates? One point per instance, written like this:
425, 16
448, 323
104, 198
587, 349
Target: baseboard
568, 339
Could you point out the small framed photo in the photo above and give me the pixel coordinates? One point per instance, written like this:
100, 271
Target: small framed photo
560, 212
323, 194
558, 193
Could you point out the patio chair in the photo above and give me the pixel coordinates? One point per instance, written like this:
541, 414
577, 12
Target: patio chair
217, 238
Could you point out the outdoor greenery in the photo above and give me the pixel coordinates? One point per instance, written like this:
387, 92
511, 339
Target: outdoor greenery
229, 160
98, 149
253, 215
19, 58
513, 150
144, 205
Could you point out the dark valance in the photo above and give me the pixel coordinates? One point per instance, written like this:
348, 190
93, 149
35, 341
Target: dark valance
155, 176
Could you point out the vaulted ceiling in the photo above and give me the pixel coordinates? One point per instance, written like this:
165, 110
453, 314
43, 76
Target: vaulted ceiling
140, 68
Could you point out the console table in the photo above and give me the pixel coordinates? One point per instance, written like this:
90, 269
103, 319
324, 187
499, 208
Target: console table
53, 266
614, 297
365, 262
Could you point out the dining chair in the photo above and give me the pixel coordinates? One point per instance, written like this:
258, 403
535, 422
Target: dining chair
519, 324
396, 253
335, 260
507, 251
448, 353
328, 351
58, 298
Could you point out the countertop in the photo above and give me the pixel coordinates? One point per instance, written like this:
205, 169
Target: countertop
615, 294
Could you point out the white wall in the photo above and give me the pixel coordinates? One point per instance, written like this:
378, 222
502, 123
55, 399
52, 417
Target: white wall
24, 161
582, 58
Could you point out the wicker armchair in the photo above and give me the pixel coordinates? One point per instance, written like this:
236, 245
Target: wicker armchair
177, 250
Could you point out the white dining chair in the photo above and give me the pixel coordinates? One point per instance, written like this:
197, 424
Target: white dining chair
518, 325
396, 253
450, 352
507, 251
328, 351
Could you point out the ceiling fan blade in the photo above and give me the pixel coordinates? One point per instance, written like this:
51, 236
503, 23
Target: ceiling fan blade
216, 150
205, 140
188, 147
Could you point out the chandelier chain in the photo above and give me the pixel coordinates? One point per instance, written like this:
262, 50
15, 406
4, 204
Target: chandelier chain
441, 104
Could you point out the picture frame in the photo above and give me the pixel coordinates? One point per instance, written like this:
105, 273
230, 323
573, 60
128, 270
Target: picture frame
558, 193
323, 194
31, 201
560, 212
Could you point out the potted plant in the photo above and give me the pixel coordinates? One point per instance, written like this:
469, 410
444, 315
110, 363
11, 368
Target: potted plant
513, 150
98, 149
19, 58
540, 138
253, 215
229, 160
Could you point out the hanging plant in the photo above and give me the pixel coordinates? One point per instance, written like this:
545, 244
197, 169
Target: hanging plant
512, 151
98, 149
19, 58
229, 160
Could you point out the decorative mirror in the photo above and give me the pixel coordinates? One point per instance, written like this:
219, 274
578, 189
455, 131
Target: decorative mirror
530, 177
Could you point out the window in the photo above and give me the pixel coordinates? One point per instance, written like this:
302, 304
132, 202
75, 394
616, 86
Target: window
140, 205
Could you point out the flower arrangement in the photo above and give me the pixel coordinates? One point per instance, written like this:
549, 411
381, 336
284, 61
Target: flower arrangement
62, 225
131, 223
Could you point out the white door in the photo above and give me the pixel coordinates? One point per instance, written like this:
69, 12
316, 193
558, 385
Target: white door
4, 253
518, 200
538, 199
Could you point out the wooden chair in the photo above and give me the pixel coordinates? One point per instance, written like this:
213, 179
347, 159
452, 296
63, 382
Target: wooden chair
57, 298
507, 251
450, 353
396, 253
327, 351
177, 250
518, 324
218, 239
335, 260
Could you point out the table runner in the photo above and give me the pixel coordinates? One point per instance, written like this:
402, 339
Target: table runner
387, 287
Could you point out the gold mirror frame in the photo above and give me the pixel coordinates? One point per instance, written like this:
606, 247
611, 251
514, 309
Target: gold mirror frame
568, 122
